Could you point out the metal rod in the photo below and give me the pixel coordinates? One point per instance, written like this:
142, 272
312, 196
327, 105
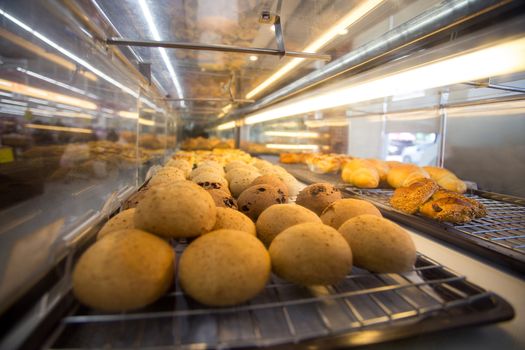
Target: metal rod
443, 100
497, 87
209, 99
216, 47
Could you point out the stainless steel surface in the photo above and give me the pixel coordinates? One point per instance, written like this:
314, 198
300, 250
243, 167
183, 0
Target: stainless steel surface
215, 47
434, 20
443, 101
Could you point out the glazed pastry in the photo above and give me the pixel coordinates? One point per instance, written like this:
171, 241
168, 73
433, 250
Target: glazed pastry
405, 175
360, 173
446, 179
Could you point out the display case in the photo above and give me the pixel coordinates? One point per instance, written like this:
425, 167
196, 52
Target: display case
95, 95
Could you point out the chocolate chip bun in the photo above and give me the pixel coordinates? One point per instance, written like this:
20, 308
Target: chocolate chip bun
318, 196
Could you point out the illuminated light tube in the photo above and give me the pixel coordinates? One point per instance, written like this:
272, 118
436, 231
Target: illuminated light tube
227, 108
358, 12
226, 126
156, 36
301, 134
286, 146
59, 128
328, 122
45, 94
56, 82
507, 58
147, 122
18, 103
128, 115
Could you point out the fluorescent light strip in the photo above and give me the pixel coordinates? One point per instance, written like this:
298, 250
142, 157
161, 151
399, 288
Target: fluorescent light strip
507, 58
156, 36
287, 146
358, 12
37, 100
5, 94
300, 134
226, 126
69, 107
69, 54
59, 128
18, 103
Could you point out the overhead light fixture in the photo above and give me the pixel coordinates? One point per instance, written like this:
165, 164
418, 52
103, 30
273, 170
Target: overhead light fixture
253, 58
328, 122
358, 12
343, 32
226, 126
299, 134
296, 147
18, 103
227, 108
507, 58
128, 115
45, 94
56, 82
163, 54
59, 128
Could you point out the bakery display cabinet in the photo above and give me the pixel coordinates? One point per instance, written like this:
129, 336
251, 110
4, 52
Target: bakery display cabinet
183, 117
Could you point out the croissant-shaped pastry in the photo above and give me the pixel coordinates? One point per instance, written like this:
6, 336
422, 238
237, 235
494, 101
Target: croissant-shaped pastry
381, 167
446, 179
360, 173
405, 175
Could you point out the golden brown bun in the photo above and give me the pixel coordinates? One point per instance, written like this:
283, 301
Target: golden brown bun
318, 196
233, 220
222, 198
379, 245
409, 199
360, 173
478, 208
182, 209
126, 270
311, 254
341, 210
121, 221
271, 179
277, 218
254, 200
449, 209
381, 167
446, 179
224, 267
405, 175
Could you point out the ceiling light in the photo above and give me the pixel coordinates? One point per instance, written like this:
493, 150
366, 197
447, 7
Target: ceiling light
45, 94
253, 58
128, 115
227, 108
509, 57
358, 12
226, 126
343, 32
300, 134
59, 128
328, 122
55, 82
13, 102
296, 147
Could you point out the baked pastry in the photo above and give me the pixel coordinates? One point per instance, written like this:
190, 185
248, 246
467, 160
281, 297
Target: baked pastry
478, 208
409, 199
277, 218
224, 267
126, 270
121, 221
449, 209
379, 245
222, 198
182, 209
405, 175
181, 164
381, 167
323, 163
291, 158
344, 209
211, 181
291, 183
242, 171
318, 196
254, 200
311, 254
233, 220
360, 173
204, 169
271, 179
446, 179
166, 176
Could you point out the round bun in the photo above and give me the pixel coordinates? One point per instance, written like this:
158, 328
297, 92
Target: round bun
182, 209
180, 164
254, 200
291, 183
277, 218
379, 245
126, 270
318, 196
242, 172
234, 164
121, 221
202, 170
222, 198
241, 182
163, 177
213, 164
211, 181
234, 220
343, 209
270, 179
311, 254
224, 267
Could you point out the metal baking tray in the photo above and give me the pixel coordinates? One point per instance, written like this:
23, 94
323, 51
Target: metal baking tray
499, 237
390, 306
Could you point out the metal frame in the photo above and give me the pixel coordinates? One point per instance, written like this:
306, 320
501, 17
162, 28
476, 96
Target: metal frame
216, 47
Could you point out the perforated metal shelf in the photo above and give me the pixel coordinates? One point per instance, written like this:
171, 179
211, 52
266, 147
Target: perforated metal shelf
428, 298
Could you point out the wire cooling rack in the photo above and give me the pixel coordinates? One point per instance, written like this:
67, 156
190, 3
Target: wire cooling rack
428, 298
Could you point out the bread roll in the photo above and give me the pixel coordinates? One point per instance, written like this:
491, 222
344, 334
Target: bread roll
241, 182
166, 177
277, 218
271, 179
344, 209
204, 170
409, 199
311, 254
381, 167
224, 267
405, 175
182, 209
318, 196
121, 221
360, 173
233, 220
254, 200
222, 198
379, 245
446, 179
126, 270
180, 164
242, 172
211, 181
